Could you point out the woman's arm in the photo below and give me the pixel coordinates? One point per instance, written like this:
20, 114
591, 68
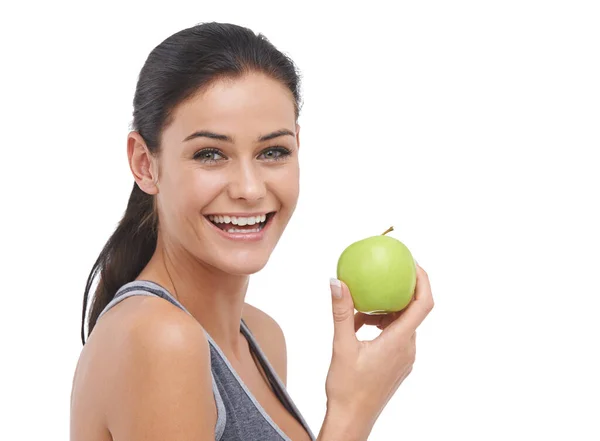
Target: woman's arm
339, 426
161, 386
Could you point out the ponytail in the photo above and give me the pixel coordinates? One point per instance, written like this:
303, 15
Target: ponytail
124, 256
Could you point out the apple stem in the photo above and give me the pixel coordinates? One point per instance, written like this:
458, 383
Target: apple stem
388, 230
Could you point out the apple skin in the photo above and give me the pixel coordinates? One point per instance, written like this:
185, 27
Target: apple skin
380, 273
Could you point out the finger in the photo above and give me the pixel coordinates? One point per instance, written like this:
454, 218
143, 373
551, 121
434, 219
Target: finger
360, 319
418, 309
389, 318
343, 313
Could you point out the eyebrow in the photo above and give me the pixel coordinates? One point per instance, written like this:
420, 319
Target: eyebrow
220, 137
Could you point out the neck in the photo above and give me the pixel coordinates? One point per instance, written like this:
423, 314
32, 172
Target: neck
214, 298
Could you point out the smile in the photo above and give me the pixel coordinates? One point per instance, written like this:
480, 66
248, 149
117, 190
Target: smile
241, 227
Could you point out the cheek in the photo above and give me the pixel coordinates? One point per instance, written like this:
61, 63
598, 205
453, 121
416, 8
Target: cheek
203, 186
288, 185
189, 191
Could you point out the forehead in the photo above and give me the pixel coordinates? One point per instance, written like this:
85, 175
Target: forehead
242, 107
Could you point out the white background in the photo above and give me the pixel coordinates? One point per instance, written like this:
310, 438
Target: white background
471, 126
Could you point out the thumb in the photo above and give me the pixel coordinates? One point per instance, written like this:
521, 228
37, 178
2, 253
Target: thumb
343, 313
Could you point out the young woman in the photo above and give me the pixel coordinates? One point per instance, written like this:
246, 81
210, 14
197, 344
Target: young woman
173, 351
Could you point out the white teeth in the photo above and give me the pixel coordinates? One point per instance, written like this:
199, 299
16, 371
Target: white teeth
241, 221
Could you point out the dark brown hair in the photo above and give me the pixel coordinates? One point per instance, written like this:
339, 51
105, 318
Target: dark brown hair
176, 69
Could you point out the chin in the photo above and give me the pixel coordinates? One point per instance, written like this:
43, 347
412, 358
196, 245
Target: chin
242, 266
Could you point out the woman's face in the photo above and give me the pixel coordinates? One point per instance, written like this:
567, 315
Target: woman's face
225, 194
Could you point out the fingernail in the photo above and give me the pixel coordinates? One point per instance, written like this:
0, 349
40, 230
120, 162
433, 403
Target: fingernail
336, 288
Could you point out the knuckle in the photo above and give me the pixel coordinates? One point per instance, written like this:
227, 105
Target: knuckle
430, 306
412, 353
342, 315
413, 357
407, 355
407, 360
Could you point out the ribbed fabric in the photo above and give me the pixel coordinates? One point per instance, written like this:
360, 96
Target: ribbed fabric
240, 417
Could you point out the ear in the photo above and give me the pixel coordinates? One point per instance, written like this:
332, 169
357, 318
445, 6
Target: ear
142, 164
298, 135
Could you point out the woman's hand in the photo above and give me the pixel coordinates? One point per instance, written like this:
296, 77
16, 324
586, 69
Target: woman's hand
364, 375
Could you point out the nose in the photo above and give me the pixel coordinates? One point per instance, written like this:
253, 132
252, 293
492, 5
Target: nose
247, 183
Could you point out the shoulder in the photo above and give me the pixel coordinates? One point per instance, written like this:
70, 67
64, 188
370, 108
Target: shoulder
270, 337
144, 328
149, 323
159, 365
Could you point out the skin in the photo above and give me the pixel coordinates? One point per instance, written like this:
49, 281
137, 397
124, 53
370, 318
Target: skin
145, 340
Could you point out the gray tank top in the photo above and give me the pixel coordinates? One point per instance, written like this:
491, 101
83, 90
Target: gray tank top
240, 417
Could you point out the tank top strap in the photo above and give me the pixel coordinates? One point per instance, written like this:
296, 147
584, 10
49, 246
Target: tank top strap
276, 384
142, 287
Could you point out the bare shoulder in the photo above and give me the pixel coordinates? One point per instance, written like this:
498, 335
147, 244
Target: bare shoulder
158, 382
270, 337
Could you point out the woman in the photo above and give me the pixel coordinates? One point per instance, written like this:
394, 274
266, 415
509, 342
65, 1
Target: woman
173, 351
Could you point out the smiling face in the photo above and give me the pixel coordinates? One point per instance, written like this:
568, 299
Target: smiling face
228, 178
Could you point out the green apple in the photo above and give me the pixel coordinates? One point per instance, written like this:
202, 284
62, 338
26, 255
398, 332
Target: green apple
380, 273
